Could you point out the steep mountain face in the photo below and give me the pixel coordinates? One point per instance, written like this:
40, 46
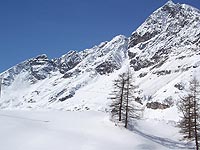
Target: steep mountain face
170, 29
37, 68
163, 53
40, 82
68, 61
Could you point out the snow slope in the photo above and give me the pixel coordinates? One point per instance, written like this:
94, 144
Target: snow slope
91, 130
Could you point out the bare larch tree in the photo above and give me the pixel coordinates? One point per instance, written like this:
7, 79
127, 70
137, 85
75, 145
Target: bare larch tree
189, 106
117, 96
123, 99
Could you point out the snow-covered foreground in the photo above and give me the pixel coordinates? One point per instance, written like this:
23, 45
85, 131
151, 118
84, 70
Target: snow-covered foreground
89, 130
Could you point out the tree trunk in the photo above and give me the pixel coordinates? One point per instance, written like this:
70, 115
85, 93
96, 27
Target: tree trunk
190, 119
195, 113
195, 127
121, 101
127, 100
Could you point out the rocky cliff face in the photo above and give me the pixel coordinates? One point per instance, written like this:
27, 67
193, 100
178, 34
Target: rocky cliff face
163, 53
37, 69
170, 29
68, 61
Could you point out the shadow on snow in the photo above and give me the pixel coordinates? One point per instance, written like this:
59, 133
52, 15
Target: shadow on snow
162, 141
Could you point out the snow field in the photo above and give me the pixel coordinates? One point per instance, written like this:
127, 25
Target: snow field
85, 130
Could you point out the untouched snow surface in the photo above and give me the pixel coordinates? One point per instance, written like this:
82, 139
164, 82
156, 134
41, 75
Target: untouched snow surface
86, 130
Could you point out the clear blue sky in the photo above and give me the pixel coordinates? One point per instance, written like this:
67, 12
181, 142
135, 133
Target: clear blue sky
32, 27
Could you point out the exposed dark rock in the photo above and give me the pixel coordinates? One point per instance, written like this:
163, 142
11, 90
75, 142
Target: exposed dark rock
138, 99
138, 64
157, 60
160, 54
87, 108
41, 66
157, 105
131, 55
31, 101
179, 86
42, 57
162, 72
37, 68
181, 57
102, 44
71, 74
142, 46
186, 68
159, 64
106, 67
66, 97
68, 75
68, 61
137, 38
142, 74
70, 95
172, 9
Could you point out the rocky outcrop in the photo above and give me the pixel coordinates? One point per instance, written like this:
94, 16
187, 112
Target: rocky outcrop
157, 105
138, 64
137, 38
179, 86
41, 67
34, 69
68, 61
106, 67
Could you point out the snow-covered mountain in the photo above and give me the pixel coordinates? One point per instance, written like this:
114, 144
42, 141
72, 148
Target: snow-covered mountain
40, 82
163, 53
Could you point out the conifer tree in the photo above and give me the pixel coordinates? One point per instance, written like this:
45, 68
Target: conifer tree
117, 96
122, 105
189, 106
186, 106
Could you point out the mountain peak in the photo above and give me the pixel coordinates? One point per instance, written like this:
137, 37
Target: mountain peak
119, 38
170, 3
42, 56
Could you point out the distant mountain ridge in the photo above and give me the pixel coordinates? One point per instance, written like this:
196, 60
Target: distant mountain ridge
163, 53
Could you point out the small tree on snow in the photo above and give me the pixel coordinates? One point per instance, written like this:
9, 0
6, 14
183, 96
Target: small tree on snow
117, 96
122, 105
195, 93
189, 106
186, 106
130, 109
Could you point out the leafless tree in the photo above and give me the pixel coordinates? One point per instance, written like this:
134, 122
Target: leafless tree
117, 96
189, 106
186, 108
195, 92
123, 98
130, 109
